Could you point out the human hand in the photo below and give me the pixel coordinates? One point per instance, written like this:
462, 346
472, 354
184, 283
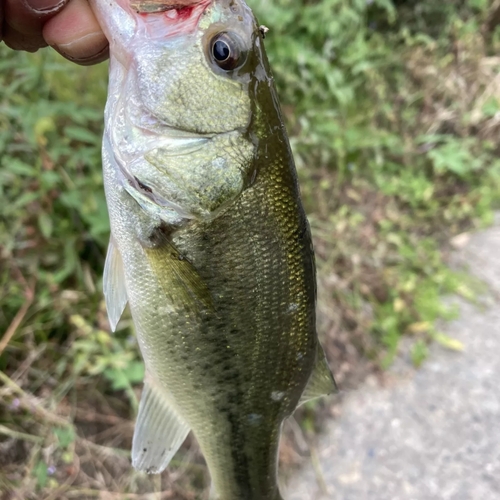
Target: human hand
69, 26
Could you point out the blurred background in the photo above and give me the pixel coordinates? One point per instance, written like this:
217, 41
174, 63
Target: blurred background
393, 112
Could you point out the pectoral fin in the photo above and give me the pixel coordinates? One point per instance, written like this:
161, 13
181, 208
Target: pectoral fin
114, 290
159, 431
179, 278
321, 382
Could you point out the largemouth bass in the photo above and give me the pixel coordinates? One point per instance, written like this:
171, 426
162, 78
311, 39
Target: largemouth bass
209, 245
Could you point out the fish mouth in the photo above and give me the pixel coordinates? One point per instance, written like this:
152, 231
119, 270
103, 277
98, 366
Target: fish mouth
153, 6
167, 18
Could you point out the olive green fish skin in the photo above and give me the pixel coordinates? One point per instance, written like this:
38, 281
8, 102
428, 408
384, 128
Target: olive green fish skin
259, 345
243, 365
224, 304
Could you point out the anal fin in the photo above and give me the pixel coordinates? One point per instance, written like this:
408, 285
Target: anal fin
321, 382
159, 431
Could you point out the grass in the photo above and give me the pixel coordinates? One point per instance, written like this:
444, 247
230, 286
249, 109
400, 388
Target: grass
393, 113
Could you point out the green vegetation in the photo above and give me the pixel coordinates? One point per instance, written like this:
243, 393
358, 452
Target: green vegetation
393, 113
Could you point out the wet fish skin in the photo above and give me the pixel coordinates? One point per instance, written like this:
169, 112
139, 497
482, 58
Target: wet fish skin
210, 244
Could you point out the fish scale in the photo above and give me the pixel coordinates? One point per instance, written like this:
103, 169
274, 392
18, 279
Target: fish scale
210, 245
268, 299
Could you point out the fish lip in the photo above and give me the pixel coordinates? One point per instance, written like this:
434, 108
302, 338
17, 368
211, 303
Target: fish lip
165, 18
154, 6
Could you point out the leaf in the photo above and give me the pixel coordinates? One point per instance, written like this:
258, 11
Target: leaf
448, 342
122, 378
65, 436
490, 107
480, 5
45, 225
42, 127
420, 327
50, 179
419, 353
41, 473
70, 199
135, 372
26, 199
118, 379
81, 134
18, 167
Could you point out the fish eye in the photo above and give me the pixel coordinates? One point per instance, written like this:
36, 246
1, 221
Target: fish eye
227, 51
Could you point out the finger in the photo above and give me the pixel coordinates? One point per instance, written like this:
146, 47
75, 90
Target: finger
27, 16
20, 41
1, 19
76, 34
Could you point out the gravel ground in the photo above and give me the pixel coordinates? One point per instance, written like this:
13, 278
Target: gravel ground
426, 434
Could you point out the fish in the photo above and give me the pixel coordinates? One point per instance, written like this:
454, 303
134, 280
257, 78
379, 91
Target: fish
210, 245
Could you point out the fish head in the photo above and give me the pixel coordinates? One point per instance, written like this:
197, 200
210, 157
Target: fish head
193, 74
189, 74
190, 59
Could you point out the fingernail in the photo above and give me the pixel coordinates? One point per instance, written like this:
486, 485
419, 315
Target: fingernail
80, 47
96, 58
45, 6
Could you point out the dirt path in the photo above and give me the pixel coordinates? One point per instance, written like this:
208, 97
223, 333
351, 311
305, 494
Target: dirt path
431, 434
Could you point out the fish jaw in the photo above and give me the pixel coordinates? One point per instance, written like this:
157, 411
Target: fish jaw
166, 20
115, 12
156, 19
161, 5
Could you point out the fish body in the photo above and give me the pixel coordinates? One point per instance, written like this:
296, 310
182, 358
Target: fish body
210, 245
